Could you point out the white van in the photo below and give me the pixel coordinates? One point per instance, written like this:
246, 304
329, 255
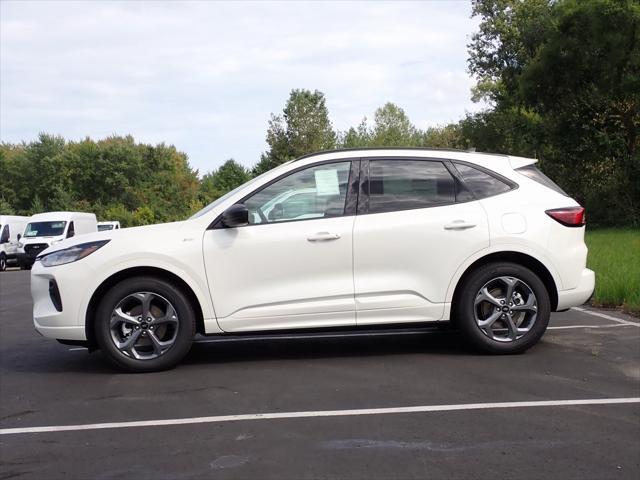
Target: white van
111, 225
46, 229
11, 228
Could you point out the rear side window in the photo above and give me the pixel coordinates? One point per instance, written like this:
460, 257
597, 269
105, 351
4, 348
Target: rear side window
533, 173
481, 183
408, 184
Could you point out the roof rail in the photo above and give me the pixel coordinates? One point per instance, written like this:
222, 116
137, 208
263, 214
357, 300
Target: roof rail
355, 149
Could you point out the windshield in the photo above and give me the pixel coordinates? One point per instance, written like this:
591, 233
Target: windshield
102, 228
45, 229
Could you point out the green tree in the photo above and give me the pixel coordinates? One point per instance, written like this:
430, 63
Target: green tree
564, 80
585, 84
509, 36
303, 127
392, 128
5, 207
356, 137
53, 174
229, 176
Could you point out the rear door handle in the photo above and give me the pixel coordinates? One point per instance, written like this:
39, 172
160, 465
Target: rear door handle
323, 237
459, 225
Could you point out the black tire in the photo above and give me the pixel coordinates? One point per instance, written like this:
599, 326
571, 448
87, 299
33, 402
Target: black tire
3, 262
465, 310
186, 328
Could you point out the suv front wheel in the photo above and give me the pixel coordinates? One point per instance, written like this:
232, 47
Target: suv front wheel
502, 308
145, 324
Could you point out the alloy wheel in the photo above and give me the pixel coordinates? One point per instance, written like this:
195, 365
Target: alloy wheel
144, 325
505, 309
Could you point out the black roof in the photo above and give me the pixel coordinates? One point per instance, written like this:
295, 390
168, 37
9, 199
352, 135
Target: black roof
382, 149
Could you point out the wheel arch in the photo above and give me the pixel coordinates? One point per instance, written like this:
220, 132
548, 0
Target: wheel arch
136, 272
520, 258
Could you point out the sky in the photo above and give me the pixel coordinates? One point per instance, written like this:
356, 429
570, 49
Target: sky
205, 76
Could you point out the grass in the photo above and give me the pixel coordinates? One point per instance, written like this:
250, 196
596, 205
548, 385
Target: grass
615, 257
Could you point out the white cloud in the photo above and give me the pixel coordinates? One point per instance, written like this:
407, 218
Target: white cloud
206, 75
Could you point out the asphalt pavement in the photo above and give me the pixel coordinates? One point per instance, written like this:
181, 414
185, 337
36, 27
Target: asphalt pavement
330, 407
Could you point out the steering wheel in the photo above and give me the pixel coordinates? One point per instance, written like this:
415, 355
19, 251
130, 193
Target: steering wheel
263, 217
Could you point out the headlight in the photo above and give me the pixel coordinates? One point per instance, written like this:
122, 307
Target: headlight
71, 254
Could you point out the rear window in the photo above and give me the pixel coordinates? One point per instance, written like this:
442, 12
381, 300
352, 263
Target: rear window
481, 183
533, 173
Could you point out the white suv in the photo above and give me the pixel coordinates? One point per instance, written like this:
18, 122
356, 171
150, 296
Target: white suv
357, 238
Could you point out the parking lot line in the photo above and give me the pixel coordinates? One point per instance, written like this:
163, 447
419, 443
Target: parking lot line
562, 327
604, 315
320, 413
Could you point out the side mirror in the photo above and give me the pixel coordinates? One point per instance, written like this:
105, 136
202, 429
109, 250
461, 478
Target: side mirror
235, 216
19, 236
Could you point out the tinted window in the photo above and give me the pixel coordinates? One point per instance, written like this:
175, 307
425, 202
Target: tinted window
102, 228
480, 183
316, 192
4, 236
533, 173
408, 184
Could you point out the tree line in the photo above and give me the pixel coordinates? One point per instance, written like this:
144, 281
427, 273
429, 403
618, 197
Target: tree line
561, 78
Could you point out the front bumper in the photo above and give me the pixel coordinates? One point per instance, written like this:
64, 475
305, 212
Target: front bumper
579, 295
25, 260
56, 314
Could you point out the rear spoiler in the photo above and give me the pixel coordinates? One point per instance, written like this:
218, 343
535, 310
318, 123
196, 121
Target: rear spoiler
519, 162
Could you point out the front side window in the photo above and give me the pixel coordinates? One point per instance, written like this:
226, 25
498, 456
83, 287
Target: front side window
315, 192
408, 184
481, 183
45, 229
105, 227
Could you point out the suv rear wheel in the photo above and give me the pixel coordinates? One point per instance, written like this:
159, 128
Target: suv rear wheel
503, 308
145, 324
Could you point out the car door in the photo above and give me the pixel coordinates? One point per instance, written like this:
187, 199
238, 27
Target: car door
410, 236
292, 266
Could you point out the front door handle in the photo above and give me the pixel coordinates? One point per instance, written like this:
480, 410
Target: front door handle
459, 225
323, 237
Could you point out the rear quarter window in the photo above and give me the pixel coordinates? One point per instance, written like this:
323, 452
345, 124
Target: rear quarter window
532, 172
481, 183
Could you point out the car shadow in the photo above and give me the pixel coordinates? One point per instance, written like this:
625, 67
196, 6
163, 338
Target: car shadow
307, 347
55, 358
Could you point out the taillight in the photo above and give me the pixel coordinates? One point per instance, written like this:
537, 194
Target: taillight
569, 217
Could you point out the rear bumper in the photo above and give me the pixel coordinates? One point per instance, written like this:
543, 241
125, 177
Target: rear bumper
580, 294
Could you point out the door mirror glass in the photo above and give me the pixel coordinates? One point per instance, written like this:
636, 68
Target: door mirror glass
19, 236
235, 216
